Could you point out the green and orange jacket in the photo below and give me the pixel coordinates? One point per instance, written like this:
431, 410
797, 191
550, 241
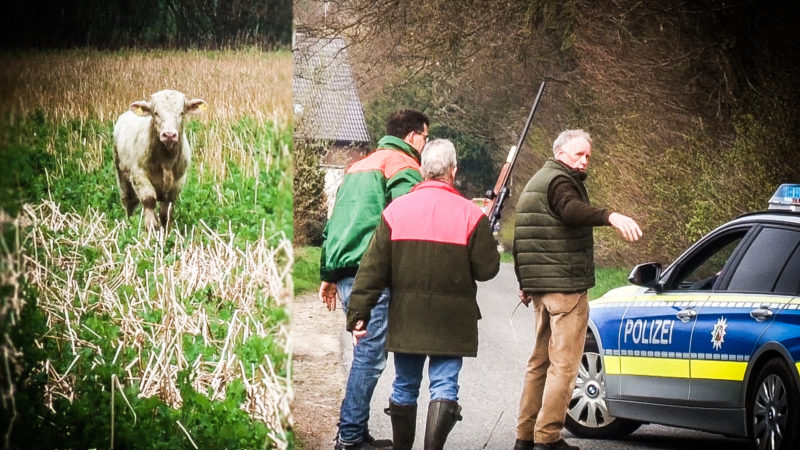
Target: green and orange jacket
430, 248
369, 185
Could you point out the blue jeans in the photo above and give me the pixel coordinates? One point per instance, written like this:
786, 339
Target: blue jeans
369, 360
442, 370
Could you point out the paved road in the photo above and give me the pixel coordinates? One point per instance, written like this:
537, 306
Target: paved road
492, 382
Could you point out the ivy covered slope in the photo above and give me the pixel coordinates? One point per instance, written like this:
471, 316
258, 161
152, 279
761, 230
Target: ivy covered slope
113, 336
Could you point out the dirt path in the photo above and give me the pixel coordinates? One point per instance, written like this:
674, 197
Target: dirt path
318, 374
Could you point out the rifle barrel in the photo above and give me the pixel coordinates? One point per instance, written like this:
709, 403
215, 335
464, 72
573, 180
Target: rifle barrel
501, 189
528, 123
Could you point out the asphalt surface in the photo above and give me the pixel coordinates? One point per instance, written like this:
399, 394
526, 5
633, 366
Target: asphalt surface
490, 386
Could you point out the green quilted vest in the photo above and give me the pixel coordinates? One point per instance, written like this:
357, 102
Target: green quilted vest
548, 255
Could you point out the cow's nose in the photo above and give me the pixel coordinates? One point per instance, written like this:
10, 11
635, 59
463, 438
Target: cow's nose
169, 136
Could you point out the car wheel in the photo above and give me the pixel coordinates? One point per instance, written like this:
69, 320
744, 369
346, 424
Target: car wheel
587, 414
773, 408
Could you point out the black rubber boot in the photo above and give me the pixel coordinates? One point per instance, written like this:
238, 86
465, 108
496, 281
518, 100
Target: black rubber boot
442, 417
404, 425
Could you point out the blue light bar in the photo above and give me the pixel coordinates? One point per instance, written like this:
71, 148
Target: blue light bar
786, 198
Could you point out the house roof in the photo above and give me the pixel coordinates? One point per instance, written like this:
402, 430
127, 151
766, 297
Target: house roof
326, 103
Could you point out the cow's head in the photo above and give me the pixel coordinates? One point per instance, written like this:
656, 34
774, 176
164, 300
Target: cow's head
167, 109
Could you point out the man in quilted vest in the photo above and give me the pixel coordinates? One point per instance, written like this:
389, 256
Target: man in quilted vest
431, 246
554, 263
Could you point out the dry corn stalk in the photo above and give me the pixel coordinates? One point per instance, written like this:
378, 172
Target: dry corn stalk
243, 278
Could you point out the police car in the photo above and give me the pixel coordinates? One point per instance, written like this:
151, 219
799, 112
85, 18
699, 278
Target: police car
710, 343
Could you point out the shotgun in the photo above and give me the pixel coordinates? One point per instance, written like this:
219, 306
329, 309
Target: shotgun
496, 198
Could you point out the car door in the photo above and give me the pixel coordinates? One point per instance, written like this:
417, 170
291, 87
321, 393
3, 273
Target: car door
743, 304
655, 335
659, 368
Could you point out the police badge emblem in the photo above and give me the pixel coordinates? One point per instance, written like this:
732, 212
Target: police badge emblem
718, 333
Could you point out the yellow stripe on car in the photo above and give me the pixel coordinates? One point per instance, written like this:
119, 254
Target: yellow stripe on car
676, 368
654, 367
718, 370
611, 365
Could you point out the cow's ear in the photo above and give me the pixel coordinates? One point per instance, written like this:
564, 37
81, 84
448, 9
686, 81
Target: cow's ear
195, 106
140, 108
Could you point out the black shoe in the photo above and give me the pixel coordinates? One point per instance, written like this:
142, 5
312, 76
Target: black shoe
378, 443
522, 444
557, 445
369, 443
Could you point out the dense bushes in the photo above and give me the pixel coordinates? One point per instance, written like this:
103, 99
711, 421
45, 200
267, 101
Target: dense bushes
310, 211
693, 107
477, 162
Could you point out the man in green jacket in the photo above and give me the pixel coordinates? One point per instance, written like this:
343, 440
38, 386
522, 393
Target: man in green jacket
433, 314
554, 263
369, 185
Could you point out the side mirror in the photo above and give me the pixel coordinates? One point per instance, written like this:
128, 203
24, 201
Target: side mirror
646, 275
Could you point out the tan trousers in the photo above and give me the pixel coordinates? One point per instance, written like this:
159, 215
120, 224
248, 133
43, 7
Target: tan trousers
560, 327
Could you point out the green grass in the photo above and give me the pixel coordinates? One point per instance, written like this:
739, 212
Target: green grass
306, 269
607, 278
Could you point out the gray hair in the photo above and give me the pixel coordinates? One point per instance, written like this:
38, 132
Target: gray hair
438, 159
568, 135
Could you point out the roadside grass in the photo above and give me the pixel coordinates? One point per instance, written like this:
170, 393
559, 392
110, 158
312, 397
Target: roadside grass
306, 269
113, 336
607, 278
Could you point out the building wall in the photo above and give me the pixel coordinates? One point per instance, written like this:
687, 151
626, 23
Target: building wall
334, 174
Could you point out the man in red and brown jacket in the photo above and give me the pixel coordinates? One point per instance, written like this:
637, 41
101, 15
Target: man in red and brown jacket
430, 248
369, 185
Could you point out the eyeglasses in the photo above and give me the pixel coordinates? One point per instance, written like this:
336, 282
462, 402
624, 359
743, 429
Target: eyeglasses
424, 135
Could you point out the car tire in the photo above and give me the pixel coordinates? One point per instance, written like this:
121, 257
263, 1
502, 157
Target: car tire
773, 408
587, 414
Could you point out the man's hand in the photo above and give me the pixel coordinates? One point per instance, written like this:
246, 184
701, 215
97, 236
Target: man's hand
525, 298
626, 226
328, 295
358, 332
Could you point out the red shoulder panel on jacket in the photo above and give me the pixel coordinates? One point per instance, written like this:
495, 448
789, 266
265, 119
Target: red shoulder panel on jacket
387, 161
433, 212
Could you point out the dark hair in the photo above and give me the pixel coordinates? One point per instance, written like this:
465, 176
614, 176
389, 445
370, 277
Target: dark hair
405, 121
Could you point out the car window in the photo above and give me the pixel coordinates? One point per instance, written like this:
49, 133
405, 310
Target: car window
789, 281
701, 270
765, 260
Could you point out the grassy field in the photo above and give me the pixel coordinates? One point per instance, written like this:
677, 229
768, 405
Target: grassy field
112, 336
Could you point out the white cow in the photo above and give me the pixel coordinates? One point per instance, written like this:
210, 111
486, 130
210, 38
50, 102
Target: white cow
152, 154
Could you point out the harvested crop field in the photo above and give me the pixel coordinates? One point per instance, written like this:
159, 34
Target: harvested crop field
115, 336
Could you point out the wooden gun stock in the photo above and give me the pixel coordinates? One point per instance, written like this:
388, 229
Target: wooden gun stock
496, 198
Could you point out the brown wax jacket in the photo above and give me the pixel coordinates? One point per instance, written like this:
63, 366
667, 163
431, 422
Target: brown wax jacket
429, 249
